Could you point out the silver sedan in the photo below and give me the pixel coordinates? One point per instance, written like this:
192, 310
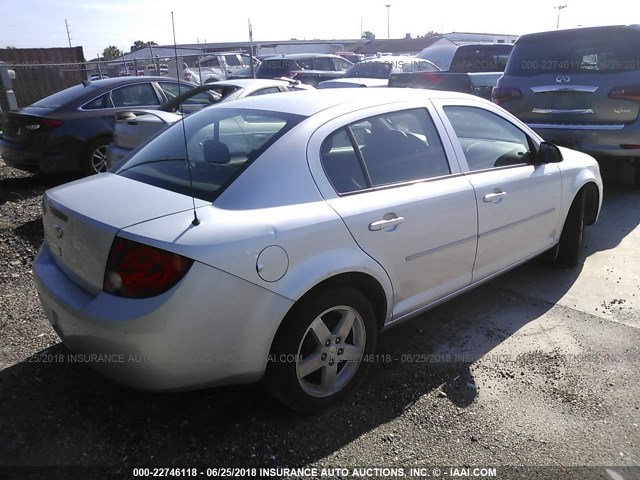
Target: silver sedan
275, 237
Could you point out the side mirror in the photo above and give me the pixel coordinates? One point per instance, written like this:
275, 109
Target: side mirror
549, 153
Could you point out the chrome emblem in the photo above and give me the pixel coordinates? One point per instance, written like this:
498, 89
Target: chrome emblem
563, 79
57, 229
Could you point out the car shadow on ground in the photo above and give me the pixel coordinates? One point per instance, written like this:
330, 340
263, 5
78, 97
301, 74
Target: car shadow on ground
57, 412
60, 412
25, 186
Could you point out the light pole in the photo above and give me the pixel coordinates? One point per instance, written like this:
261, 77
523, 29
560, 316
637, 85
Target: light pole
559, 8
388, 5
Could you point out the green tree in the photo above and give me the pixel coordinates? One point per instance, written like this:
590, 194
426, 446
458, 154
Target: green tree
138, 44
111, 53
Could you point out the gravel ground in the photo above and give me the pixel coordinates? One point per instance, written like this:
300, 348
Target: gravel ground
494, 378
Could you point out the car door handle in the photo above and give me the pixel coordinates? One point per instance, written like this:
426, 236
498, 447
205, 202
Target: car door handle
384, 224
494, 197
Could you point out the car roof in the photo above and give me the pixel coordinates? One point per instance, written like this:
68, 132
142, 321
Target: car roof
116, 81
391, 59
254, 82
295, 56
586, 31
308, 103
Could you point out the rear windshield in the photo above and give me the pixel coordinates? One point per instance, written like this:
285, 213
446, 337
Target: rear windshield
379, 69
478, 58
277, 67
607, 51
63, 97
221, 143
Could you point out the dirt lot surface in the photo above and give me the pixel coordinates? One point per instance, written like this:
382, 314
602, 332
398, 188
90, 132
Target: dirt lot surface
537, 368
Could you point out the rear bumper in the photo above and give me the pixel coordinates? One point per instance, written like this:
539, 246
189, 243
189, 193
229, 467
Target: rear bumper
35, 158
599, 141
210, 329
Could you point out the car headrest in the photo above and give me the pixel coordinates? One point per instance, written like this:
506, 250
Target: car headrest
215, 152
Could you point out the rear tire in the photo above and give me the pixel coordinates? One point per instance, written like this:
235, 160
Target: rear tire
637, 174
572, 237
319, 355
95, 159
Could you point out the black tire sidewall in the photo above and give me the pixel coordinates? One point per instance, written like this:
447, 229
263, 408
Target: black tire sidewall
572, 237
281, 379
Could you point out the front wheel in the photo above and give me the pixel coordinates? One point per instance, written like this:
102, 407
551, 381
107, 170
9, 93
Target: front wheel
572, 237
319, 354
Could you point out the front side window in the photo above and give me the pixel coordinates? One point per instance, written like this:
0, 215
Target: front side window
134, 95
386, 149
173, 89
323, 63
488, 140
221, 144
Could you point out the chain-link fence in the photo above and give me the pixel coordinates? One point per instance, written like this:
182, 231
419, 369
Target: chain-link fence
34, 81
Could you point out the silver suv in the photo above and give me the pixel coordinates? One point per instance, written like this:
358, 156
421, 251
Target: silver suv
219, 66
578, 88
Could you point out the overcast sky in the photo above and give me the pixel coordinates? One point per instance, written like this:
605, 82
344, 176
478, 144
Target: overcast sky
95, 24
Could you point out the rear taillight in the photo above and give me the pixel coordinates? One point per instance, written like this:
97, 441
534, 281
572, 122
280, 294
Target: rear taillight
43, 124
503, 94
626, 92
135, 270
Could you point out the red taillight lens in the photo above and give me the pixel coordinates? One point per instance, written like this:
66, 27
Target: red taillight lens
51, 122
503, 94
135, 270
43, 124
626, 92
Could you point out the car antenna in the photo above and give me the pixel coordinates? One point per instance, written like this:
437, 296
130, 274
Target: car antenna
196, 220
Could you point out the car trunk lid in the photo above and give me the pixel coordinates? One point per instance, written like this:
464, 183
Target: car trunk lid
25, 125
576, 99
82, 218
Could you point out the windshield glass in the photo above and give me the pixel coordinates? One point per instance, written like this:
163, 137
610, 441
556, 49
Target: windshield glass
63, 97
367, 69
576, 51
221, 144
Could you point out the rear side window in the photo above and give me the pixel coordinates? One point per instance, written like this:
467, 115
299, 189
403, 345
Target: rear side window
99, 103
221, 144
604, 51
383, 150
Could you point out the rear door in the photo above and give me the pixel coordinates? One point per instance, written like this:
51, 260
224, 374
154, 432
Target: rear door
517, 199
394, 181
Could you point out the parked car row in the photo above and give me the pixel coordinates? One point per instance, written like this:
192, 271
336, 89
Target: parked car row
285, 231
